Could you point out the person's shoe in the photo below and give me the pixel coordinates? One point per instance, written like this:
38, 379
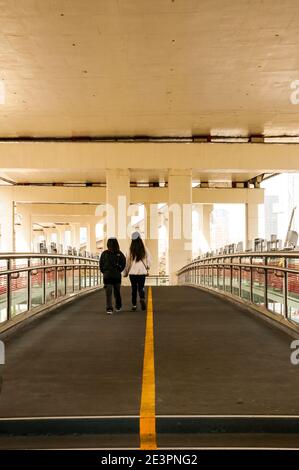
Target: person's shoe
142, 303
109, 311
134, 308
118, 309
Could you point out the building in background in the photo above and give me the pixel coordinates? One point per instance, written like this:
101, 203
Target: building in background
281, 196
271, 215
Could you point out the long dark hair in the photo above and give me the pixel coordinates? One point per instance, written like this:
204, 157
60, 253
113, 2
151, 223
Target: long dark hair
137, 248
112, 245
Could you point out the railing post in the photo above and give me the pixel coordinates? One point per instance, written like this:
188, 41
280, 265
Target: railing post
79, 274
56, 280
240, 277
251, 281
65, 275
44, 284
266, 283
231, 275
285, 288
73, 274
8, 290
29, 303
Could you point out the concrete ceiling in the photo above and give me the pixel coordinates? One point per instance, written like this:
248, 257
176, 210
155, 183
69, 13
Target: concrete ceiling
134, 67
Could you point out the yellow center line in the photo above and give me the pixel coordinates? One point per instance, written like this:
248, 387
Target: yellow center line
148, 438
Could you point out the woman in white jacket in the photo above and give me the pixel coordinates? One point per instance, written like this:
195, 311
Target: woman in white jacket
138, 264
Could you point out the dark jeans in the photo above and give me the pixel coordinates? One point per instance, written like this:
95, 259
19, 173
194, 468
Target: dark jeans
137, 282
116, 288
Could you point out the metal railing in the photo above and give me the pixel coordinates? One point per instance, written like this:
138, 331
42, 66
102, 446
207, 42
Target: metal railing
29, 281
267, 279
157, 280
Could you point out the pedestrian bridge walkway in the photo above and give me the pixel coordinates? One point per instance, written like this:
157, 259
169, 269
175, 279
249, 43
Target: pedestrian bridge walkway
207, 374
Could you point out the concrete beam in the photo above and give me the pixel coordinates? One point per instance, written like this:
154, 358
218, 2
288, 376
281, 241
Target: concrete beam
227, 196
65, 219
59, 195
68, 210
149, 195
68, 156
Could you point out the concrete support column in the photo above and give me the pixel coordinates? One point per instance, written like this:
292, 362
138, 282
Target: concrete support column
35, 240
117, 205
91, 238
61, 236
7, 240
26, 231
180, 220
23, 231
47, 234
251, 222
100, 236
75, 235
166, 226
197, 230
151, 218
206, 225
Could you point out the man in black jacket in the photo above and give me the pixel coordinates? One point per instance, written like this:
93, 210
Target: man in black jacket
112, 263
